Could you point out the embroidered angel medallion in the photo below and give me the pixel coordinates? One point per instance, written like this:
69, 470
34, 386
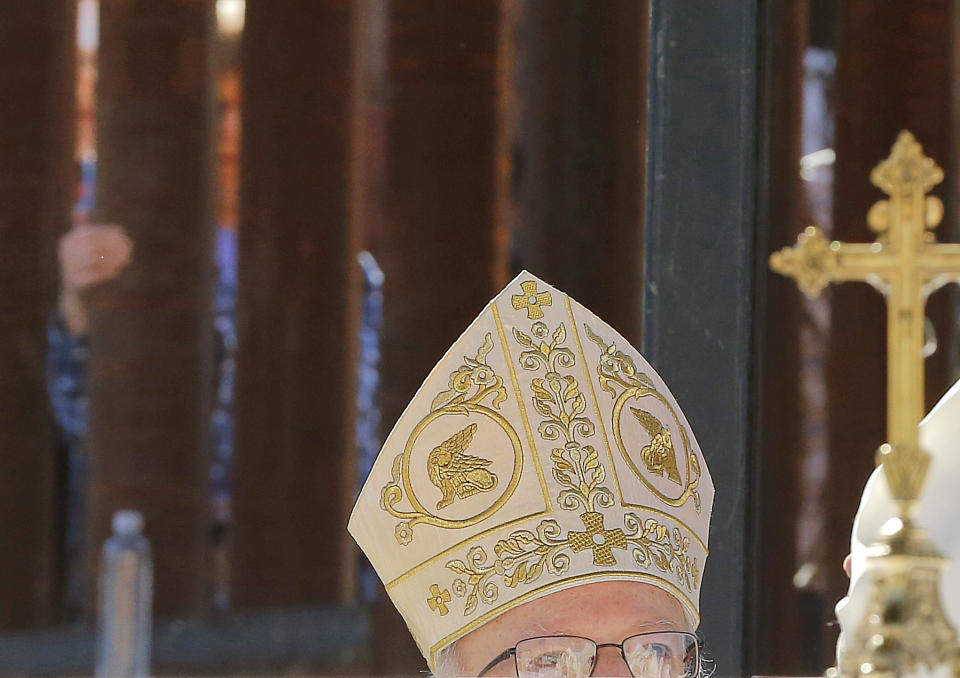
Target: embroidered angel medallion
659, 456
473, 389
457, 474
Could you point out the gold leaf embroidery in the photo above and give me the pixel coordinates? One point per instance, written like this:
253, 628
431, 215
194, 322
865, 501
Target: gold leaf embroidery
474, 373
619, 377
521, 558
654, 544
524, 555
558, 399
455, 473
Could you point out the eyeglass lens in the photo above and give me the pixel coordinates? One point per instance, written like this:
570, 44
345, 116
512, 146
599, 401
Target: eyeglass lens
669, 654
556, 657
662, 655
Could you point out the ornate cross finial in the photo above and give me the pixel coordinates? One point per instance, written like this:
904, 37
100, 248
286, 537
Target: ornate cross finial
906, 264
531, 300
907, 167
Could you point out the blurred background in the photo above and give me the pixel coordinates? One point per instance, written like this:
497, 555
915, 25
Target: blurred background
235, 236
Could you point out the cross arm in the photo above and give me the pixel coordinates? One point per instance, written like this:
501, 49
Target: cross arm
861, 261
941, 261
815, 261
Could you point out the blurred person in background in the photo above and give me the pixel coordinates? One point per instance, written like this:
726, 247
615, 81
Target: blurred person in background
89, 256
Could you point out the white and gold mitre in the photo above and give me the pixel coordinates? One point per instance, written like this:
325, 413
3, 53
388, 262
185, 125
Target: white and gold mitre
542, 452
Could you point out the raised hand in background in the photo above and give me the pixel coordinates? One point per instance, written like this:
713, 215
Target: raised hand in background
89, 255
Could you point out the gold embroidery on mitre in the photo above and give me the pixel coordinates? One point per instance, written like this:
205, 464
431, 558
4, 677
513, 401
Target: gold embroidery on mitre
548, 532
655, 544
559, 400
524, 555
531, 300
619, 377
659, 456
600, 540
438, 599
456, 475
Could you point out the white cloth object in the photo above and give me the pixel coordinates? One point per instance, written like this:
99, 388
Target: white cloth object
938, 513
541, 453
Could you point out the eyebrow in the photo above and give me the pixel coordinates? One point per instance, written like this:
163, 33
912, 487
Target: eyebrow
540, 630
664, 622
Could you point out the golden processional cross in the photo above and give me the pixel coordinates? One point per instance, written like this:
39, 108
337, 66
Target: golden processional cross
906, 264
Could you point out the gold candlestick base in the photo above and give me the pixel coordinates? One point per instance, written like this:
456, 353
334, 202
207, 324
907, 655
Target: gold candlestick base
904, 627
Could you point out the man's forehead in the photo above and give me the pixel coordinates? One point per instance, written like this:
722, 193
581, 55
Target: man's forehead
602, 607
639, 625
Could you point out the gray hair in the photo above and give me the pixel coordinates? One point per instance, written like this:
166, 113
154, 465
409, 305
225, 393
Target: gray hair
448, 662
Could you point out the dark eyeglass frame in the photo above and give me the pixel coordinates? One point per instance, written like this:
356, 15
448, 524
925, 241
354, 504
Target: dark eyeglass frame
512, 651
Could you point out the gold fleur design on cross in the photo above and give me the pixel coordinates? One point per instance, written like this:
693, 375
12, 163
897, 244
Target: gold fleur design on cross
906, 165
813, 261
531, 300
595, 537
438, 599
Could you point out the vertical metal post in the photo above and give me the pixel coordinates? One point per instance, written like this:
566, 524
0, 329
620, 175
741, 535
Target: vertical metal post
699, 289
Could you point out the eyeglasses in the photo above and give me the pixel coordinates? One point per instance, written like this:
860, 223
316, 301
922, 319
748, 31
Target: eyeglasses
657, 654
